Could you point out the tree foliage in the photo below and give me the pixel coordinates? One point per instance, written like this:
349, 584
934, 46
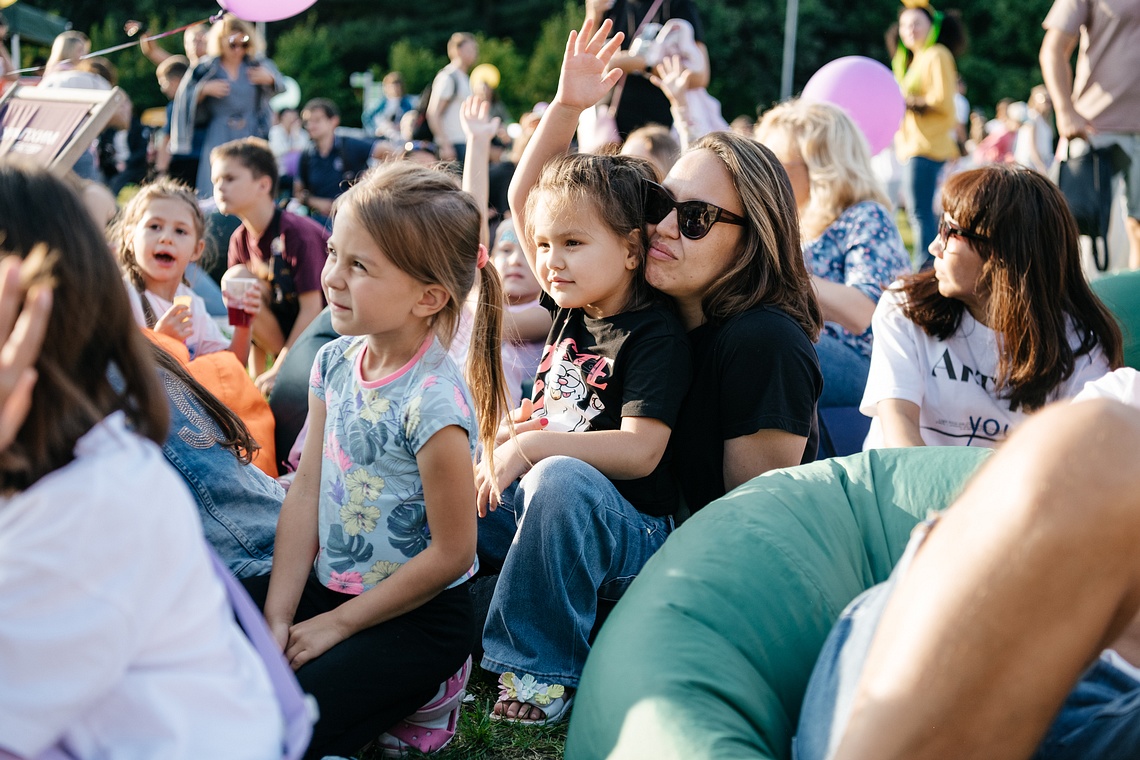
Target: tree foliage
546, 60
525, 39
308, 53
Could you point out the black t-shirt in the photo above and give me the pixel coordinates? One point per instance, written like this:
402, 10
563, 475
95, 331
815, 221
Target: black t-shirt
595, 371
642, 102
756, 371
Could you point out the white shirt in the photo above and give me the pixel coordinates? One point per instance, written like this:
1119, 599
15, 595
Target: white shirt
205, 336
1123, 385
951, 381
282, 141
453, 86
116, 638
1035, 131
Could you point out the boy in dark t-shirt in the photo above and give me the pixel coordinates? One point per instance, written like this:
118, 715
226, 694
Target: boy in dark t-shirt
331, 162
287, 252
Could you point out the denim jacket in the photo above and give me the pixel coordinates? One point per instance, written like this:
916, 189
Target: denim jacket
238, 503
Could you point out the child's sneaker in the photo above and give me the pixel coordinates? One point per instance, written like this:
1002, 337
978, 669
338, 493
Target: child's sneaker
430, 728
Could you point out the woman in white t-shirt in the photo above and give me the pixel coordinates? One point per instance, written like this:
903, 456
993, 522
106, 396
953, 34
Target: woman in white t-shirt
1003, 323
116, 636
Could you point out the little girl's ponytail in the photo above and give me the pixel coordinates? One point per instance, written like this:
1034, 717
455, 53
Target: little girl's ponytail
485, 356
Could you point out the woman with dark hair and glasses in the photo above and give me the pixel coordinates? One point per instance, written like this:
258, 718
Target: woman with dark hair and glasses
226, 95
1004, 322
725, 246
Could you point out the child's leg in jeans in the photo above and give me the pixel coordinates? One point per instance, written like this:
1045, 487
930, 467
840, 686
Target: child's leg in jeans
577, 538
497, 530
369, 682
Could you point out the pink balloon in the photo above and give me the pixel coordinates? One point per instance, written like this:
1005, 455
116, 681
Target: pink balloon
265, 10
866, 90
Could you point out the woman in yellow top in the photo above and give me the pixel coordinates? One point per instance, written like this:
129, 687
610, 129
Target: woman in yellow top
924, 44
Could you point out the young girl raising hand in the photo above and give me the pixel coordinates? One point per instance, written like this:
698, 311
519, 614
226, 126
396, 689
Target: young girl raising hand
159, 235
599, 499
377, 534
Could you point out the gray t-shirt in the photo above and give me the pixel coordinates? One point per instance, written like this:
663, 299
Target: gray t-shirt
1106, 86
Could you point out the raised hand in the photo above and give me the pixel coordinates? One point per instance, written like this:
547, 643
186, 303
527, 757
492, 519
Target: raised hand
21, 336
585, 76
474, 116
673, 79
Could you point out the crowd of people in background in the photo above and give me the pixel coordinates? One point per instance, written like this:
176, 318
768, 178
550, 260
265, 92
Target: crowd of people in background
344, 320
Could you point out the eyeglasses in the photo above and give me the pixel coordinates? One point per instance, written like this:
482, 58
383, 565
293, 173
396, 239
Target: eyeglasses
946, 230
694, 218
238, 41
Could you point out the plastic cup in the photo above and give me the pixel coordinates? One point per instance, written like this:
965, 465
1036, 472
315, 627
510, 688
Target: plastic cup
236, 288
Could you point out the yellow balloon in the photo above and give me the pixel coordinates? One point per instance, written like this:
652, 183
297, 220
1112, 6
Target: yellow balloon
484, 73
6, 3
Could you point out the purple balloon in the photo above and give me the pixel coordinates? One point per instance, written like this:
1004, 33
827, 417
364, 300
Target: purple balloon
866, 90
265, 10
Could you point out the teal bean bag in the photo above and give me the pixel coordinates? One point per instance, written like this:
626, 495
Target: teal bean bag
1121, 294
709, 652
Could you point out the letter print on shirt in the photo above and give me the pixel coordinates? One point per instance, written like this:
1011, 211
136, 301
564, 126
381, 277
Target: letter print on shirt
565, 387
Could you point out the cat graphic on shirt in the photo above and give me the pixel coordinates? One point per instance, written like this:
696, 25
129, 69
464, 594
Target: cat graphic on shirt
563, 391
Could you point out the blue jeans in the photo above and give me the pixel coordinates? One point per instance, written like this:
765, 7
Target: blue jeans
566, 537
844, 372
919, 182
237, 502
1100, 719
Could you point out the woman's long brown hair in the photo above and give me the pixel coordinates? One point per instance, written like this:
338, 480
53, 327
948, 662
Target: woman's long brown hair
1032, 278
94, 360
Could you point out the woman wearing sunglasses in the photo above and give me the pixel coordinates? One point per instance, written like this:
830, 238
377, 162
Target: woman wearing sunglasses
1002, 324
225, 97
851, 243
725, 246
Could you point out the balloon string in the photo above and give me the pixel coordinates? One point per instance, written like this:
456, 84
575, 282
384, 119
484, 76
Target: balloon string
116, 48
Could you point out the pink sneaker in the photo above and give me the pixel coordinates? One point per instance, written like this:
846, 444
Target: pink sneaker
432, 727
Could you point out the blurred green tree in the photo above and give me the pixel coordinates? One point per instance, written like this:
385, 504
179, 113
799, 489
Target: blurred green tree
546, 59
308, 53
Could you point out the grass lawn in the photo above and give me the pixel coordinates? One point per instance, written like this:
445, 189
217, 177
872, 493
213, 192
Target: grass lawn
480, 738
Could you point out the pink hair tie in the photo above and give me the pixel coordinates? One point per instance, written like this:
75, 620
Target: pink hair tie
482, 258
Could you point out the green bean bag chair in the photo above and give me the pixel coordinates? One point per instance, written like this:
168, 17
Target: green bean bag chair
709, 652
1121, 294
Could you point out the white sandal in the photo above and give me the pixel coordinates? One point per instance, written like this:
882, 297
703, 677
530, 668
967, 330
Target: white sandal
551, 699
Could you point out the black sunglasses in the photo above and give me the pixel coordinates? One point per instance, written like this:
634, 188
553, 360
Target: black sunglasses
694, 218
238, 41
946, 229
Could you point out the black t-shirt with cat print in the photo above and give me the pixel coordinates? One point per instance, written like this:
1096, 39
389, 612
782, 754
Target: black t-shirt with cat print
595, 371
